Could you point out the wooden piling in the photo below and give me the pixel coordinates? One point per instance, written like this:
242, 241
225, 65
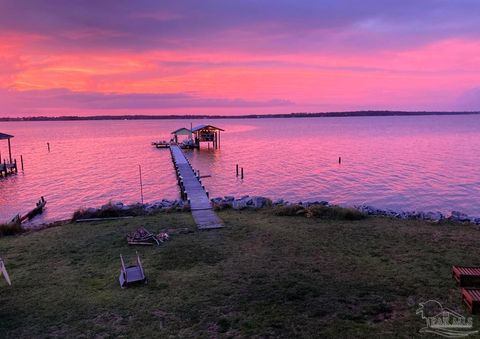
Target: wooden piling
242, 173
339, 160
9, 150
48, 146
141, 181
21, 161
237, 170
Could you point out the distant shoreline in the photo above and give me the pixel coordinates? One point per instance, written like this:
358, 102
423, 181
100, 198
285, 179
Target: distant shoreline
249, 116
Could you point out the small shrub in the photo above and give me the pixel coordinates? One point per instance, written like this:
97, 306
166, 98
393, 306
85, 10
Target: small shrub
288, 210
11, 229
221, 206
107, 211
268, 203
334, 212
78, 214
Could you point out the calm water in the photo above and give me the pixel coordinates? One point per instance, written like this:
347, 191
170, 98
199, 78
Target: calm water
423, 163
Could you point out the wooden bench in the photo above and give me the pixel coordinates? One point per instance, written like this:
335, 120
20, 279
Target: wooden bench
466, 276
471, 297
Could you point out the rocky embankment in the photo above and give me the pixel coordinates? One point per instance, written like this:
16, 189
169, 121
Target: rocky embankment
260, 202
118, 209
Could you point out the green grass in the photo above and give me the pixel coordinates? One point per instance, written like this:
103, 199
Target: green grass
262, 276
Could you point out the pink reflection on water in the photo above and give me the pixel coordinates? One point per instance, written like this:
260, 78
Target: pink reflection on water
427, 163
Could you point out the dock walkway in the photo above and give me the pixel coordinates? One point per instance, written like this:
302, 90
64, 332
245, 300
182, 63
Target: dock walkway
193, 191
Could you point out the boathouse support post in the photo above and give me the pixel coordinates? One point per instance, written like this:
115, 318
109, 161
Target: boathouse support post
9, 150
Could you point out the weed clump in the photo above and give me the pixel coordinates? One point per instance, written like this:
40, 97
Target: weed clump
11, 229
334, 212
108, 211
319, 211
289, 210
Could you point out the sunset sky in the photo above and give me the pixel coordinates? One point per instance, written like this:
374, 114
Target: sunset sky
237, 57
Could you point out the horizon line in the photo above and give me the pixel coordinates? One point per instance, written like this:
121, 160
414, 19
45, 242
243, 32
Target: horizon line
363, 113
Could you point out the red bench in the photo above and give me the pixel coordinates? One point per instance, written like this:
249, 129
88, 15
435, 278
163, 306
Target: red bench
471, 297
466, 276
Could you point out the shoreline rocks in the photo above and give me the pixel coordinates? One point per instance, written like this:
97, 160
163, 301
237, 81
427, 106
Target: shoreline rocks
119, 209
434, 217
259, 202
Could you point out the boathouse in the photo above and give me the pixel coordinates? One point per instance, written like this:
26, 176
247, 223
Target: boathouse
198, 134
7, 137
207, 133
181, 131
10, 166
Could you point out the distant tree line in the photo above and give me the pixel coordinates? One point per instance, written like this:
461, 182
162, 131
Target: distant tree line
249, 116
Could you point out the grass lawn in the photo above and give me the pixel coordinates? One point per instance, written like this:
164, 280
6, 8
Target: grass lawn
261, 276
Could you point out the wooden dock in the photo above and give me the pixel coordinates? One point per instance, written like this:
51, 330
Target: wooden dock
192, 190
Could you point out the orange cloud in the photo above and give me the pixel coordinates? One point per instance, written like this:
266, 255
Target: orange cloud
426, 77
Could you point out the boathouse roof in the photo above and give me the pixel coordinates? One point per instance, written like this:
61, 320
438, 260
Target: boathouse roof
5, 136
199, 127
182, 131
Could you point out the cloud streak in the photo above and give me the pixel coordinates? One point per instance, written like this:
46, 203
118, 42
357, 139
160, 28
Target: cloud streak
64, 98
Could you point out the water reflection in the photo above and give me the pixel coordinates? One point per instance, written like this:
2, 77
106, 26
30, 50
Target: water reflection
393, 162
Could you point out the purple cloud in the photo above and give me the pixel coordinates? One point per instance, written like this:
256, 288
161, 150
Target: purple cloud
13, 100
271, 25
